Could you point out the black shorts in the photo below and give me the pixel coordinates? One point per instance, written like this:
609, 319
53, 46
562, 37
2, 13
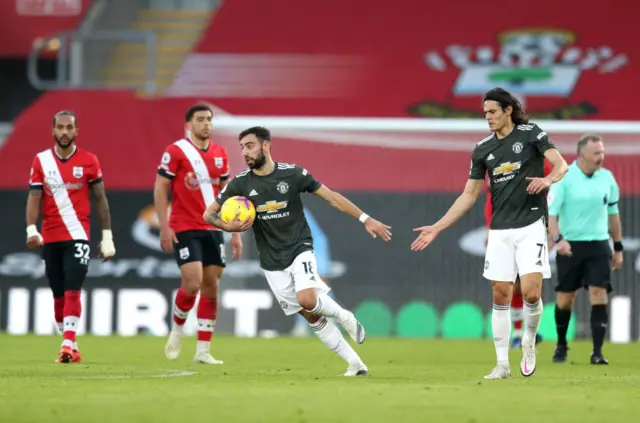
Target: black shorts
206, 247
66, 265
588, 265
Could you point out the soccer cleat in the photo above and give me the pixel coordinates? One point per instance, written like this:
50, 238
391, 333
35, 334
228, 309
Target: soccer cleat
356, 369
76, 357
205, 358
353, 327
598, 359
172, 347
560, 354
501, 371
65, 355
528, 363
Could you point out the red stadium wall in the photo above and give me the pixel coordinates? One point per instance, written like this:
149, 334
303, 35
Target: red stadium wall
22, 21
417, 58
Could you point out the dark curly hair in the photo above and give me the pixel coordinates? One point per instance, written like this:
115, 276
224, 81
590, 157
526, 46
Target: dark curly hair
505, 99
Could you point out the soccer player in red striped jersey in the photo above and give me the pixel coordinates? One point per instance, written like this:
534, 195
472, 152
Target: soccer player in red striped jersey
517, 302
194, 169
60, 182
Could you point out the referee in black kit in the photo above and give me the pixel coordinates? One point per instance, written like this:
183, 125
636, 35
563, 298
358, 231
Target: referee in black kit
583, 213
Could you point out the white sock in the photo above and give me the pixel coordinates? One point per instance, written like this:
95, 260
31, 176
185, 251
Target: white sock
327, 307
60, 327
501, 327
203, 347
532, 316
331, 336
70, 324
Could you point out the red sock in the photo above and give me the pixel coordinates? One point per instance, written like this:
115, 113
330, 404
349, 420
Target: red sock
516, 310
207, 312
58, 310
72, 313
183, 305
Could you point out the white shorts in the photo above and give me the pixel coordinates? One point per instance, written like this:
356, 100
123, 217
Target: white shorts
301, 274
513, 252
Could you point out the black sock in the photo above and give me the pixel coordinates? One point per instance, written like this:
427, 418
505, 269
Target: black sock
562, 324
599, 320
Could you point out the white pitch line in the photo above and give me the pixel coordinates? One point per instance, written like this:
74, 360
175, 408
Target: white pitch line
173, 373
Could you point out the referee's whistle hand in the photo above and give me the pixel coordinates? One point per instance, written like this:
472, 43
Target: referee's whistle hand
564, 248
616, 260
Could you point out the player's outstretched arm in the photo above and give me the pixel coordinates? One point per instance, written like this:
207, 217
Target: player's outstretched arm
106, 248
461, 206
34, 239
374, 227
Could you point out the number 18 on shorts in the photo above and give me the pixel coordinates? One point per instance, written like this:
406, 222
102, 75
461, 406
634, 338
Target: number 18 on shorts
519, 251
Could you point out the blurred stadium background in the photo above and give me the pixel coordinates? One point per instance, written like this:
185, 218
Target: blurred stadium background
380, 100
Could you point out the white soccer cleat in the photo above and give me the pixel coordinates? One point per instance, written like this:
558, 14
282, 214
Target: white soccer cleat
353, 327
356, 369
499, 372
172, 347
528, 363
205, 358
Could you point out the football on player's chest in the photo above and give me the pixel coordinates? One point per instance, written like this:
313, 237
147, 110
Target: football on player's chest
272, 201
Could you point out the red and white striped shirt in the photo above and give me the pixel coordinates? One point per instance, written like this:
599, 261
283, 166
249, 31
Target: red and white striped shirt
66, 207
195, 176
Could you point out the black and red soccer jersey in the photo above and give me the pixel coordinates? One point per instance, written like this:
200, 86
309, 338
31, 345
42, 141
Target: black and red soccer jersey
195, 176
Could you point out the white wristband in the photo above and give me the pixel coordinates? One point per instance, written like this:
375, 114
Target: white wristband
363, 217
107, 234
32, 231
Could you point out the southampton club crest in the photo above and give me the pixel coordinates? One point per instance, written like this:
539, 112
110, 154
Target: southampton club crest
531, 63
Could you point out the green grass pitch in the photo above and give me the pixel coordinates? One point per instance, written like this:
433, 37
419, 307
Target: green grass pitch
291, 380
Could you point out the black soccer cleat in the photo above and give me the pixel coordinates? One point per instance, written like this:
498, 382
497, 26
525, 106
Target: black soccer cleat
560, 354
598, 359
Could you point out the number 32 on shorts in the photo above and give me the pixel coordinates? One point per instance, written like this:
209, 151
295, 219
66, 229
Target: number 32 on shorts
82, 252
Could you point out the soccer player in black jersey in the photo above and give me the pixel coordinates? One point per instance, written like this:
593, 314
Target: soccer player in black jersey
517, 245
285, 243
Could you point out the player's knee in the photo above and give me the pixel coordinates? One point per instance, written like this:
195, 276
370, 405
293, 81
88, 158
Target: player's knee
311, 318
564, 300
307, 299
74, 279
501, 292
209, 286
531, 296
191, 277
597, 295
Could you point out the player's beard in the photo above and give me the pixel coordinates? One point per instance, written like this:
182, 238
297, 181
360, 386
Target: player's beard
63, 146
258, 162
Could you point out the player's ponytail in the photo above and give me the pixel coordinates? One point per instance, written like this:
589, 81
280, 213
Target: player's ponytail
505, 99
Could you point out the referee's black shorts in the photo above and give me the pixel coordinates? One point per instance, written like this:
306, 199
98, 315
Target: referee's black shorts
588, 265
203, 246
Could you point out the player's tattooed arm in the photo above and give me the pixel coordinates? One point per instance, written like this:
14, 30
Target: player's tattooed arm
102, 204
212, 215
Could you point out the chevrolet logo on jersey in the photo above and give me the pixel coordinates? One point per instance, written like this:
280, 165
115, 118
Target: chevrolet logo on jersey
271, 206
506, 168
